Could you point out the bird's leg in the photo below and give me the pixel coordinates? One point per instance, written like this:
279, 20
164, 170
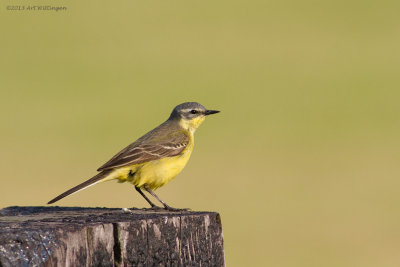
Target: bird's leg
162, 202
153, 206
159, 199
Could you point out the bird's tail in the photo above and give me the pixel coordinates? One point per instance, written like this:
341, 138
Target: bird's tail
92, 181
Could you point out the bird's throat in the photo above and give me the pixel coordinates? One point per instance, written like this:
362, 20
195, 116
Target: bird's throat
191, 125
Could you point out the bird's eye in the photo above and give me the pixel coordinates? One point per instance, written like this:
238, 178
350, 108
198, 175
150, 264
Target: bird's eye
193, 111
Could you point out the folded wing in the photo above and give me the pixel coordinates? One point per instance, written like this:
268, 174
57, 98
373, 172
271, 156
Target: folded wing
150, 148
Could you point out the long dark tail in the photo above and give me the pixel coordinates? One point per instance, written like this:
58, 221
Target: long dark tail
95, 179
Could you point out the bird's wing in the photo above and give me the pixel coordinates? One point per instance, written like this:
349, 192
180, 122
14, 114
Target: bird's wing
150, 148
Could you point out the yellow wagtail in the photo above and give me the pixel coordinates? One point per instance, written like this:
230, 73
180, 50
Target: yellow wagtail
156, 157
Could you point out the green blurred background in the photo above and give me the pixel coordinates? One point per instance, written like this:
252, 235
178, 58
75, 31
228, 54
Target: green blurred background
303, 161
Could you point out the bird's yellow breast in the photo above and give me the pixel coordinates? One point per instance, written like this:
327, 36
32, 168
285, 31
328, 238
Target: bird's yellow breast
156, 173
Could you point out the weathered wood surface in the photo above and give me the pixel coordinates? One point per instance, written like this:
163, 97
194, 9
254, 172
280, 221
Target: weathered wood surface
61, 236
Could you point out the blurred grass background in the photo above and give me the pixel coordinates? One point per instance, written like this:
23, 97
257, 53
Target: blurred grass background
303, 161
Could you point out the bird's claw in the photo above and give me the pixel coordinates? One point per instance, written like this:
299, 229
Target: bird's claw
155, 208
168, 208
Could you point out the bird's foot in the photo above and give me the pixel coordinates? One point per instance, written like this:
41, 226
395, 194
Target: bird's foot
154, 208
168, 208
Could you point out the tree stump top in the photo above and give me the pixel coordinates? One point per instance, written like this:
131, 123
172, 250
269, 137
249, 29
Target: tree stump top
74, 236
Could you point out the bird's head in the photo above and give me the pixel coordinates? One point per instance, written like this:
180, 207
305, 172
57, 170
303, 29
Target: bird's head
190, 115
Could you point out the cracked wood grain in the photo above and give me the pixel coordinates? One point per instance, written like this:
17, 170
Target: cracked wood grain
55, 236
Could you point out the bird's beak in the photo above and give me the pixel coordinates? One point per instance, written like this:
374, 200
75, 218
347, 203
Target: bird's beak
209, 112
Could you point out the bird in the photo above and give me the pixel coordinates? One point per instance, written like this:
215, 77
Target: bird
154, 159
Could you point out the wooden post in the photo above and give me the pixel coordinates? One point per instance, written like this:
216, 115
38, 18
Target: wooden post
63, 236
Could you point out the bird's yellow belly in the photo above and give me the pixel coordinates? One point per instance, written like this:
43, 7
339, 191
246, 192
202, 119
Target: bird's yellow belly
153, 174
159, 172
